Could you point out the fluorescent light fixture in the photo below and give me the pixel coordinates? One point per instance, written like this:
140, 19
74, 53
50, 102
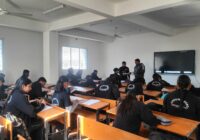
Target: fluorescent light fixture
54, 9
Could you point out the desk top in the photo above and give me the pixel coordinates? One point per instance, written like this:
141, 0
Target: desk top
83, 89
180, 126
51, 113
96, 106
169, 89
152, 93
159, 102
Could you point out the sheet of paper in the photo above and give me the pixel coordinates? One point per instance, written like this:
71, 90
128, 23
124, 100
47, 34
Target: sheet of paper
76, 98
91, 102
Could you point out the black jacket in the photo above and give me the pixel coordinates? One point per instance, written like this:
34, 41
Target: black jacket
123, 71
19, 106
155, 85
36, 91
139, 70
94, 76
116, 79
190, 108
107, 90
72, 79
195, 91
62, 99
132, 121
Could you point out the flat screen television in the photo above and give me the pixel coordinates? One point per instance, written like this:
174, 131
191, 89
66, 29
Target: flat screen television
175, 62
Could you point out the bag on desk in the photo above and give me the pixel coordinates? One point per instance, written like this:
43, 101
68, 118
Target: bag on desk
19, 126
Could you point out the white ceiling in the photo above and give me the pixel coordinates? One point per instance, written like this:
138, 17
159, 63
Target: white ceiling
181, 16
37, 7
114, 26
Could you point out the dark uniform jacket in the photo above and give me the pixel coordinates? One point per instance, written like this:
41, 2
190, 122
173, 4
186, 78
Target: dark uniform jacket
94, 76
107, 90
132, 121
72, 79
155, 85
190, 107
139, 70
116, 79
19, 106
62, 99
123, 71
36, 91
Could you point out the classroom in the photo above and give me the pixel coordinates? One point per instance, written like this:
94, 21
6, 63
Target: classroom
99, 69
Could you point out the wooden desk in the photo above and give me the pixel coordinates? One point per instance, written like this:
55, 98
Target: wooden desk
159, 102
169, 89
152, 93
180, 126
96, 106
98, 131
52, 114
112, 103
83, 89
7, 127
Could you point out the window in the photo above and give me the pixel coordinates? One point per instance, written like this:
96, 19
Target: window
75, 58
1, 55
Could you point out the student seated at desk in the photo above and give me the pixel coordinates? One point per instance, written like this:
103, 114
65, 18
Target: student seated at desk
79, 75
18, 105
3, 87
156, 84
164, 83
25, 75
181, 102
61, 97
116, 76
88, 82
71, 77
107, 89
37, 88
137, 87
95, 76
131, 113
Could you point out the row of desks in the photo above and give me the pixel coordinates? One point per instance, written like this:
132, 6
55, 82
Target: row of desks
180, 126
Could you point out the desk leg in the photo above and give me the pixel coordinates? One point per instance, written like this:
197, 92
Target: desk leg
65, 127
46, 129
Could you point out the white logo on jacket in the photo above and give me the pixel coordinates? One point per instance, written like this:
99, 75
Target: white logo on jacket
176, 103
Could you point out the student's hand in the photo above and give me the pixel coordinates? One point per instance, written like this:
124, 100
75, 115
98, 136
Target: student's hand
43, 102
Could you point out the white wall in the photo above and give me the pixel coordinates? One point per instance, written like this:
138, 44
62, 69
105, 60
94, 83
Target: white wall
21, 50
144, 45
94, 53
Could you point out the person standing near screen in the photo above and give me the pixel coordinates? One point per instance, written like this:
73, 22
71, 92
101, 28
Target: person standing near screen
139, 69
124, 72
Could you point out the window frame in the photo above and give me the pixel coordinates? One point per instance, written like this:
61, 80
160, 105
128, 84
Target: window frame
2, 39
71, 58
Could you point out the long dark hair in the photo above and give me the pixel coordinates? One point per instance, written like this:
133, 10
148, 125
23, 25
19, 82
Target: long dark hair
22, 81
126, 106
60, 84
183, 82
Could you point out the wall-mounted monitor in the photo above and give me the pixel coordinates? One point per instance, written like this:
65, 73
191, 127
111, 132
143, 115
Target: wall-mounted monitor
175, 62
